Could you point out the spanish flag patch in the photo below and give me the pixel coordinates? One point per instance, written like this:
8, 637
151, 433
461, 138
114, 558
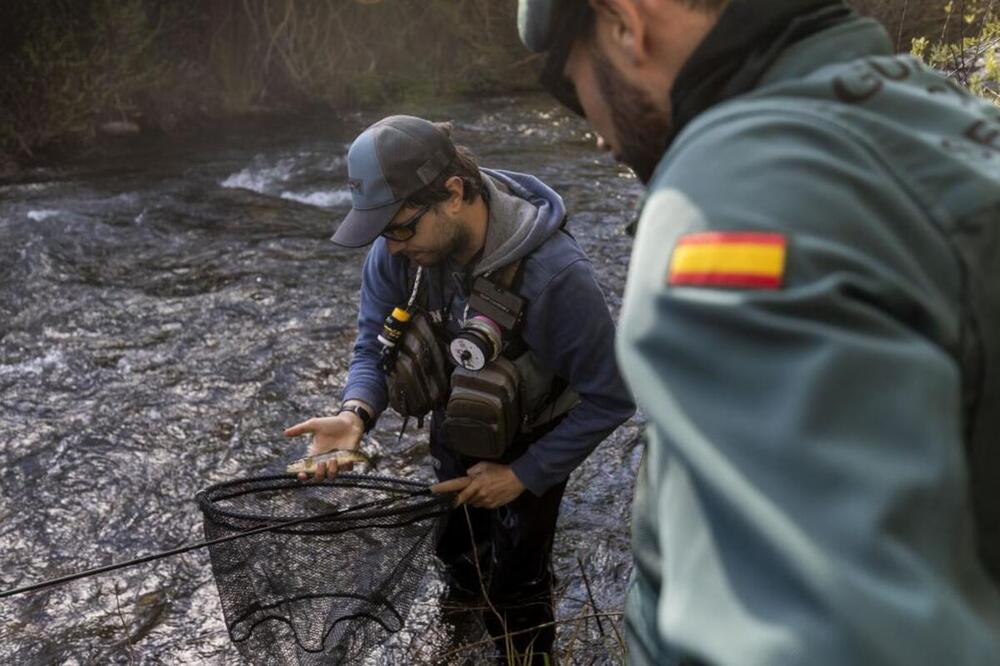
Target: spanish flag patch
742, 259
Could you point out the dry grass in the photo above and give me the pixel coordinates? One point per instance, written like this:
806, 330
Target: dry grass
349, 52
572, 644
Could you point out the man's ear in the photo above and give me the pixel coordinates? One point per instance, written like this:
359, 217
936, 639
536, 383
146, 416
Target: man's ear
456, 186
622, 23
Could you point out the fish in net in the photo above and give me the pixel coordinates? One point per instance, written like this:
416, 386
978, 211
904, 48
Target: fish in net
332, 569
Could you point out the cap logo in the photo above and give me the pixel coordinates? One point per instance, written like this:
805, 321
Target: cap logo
357, 185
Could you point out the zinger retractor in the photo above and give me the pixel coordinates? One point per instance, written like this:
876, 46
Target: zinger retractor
392, 332
395, 326
479, 343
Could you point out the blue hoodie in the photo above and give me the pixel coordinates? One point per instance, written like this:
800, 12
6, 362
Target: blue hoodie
566, 325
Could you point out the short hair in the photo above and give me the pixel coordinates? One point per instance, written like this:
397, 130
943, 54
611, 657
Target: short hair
463, 165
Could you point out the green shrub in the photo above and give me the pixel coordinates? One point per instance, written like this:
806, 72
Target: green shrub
73, 65
67, 65
971, 56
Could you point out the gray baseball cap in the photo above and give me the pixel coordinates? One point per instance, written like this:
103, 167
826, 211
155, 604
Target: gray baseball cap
391, 160
543, 23
536, 22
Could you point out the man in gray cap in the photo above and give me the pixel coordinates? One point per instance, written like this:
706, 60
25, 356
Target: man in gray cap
811, 324
450, 239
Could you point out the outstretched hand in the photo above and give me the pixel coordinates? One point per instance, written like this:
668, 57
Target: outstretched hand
487, 486
343, 431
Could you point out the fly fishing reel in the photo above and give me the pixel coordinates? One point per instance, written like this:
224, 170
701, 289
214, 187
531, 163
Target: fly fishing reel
479, 342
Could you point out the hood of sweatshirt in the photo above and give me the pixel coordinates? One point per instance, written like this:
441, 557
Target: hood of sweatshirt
523, 213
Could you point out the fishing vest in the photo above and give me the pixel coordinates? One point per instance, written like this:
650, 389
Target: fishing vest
482, 410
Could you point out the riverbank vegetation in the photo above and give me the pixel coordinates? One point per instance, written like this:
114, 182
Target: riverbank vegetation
967, 47
70, 69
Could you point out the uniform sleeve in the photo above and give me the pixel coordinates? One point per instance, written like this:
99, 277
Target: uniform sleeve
572, 334
805, 490
383, 287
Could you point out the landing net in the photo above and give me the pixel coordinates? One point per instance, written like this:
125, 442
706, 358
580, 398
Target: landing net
332, 586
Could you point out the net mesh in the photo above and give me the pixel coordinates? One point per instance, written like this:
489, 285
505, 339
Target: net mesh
331, 586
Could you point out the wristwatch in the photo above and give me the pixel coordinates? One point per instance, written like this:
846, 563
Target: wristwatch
366, 418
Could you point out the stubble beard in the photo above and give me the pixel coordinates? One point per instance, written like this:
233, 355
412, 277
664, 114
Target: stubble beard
641, 129
453, 239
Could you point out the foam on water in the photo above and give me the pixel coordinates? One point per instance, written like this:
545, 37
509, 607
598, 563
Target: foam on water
322, 199
272, 177
261, 178
39, 215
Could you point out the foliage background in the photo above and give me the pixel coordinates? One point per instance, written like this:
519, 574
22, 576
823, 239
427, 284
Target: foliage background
69, 68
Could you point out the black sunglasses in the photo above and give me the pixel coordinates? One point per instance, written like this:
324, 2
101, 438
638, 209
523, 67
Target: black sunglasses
406, 230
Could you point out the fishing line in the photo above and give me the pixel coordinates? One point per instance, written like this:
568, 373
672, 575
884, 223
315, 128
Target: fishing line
183, 549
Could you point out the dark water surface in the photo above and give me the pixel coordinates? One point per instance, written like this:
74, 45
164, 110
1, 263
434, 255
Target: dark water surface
167, 309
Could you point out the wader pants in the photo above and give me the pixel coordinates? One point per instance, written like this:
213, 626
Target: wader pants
514, 546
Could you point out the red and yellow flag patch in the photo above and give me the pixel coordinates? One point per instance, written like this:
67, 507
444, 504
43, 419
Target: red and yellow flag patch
742, 259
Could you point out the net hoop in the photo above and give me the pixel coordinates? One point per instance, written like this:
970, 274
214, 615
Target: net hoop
404, 498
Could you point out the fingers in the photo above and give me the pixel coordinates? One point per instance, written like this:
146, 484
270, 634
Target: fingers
451, 485
300, 428
484, 467
471, 490
468, 494
326, 470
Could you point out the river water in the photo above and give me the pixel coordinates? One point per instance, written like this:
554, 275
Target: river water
168, 306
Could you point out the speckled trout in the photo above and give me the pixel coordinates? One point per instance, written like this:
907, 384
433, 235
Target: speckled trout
341, 456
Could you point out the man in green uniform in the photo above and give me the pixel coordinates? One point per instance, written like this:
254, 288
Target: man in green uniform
811, 325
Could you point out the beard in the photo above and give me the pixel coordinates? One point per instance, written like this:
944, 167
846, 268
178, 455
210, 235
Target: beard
450, 239
643, 131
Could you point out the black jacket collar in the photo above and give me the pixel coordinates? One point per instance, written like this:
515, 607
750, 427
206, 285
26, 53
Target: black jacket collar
748, 38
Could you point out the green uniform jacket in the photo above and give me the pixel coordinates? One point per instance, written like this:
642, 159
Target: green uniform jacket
821, 479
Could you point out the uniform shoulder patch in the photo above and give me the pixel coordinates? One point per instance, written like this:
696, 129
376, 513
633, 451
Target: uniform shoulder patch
734, 259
